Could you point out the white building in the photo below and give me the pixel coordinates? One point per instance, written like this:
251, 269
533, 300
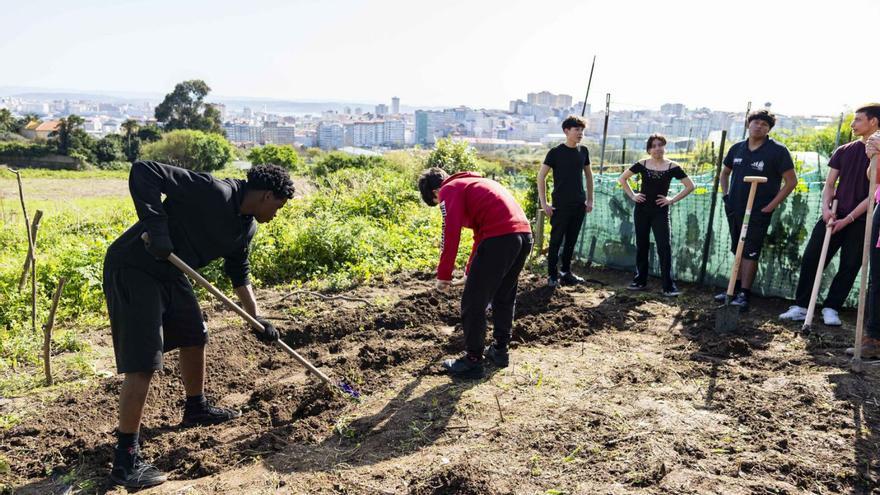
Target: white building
331, 135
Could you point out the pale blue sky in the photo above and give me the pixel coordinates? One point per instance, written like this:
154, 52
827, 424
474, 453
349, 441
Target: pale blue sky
805, 57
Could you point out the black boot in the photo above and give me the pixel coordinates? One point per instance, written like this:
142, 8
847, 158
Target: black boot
467, 366
498, 355
198, 412
130, 471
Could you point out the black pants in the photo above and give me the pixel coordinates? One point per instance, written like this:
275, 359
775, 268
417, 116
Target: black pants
647, 219
873, 302
493, 278
565, 226
849, 242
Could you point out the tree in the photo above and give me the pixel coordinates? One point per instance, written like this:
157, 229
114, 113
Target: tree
149, 134
283, 156
184, 108
7, 121
130, 126
452, 156
109, 149
195, 150
66, 132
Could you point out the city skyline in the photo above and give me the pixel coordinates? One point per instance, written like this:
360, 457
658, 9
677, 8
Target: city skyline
479, 55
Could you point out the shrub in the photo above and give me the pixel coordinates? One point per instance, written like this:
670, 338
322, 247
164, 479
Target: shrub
283, 156
452, 156
195, 150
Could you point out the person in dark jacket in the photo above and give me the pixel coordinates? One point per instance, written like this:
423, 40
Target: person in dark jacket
502, 242
151, 303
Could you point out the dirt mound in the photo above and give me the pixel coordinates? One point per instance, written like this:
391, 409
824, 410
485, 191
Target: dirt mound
455, 480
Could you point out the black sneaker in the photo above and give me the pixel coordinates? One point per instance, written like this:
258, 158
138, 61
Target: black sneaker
206, 414
552, 281
673, 292
130, 471
499, 357
636, 286
570, 278
466, 366
721, 297
742, 301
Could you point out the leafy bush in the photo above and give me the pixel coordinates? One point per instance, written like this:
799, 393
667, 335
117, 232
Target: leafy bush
283, 156
25, 149
452, 156
338, 160
195, 150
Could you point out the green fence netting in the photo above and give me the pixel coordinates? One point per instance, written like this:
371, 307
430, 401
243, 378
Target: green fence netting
608, 236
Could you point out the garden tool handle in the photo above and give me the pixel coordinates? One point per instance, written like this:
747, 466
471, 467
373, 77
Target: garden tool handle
238, 309
874, 174
817, 282
754, 181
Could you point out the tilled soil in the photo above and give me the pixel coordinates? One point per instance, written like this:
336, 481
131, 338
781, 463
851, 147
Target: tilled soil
608, 392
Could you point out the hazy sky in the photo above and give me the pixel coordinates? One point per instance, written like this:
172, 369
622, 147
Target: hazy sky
803, 56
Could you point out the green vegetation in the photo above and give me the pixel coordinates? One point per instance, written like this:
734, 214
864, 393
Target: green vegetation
195, 150
283, 156
185, 108
452, 156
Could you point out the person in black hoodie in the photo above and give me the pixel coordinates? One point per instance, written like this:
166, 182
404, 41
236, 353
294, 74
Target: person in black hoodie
151, 303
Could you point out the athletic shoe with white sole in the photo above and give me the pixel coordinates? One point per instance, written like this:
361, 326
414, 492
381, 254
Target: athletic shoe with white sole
830, 317
794, 313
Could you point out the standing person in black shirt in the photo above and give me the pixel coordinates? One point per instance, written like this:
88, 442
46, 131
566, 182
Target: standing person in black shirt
151, 303
652, 211
570, 162
761, 156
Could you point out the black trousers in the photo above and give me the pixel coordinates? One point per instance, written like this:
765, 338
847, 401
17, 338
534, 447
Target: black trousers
493, 277
873, 303
646, 220
565, 226
849, 242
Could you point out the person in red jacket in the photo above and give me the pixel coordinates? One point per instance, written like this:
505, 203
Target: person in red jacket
502, 242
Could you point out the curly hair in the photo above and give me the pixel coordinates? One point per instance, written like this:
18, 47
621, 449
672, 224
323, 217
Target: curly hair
763, 114
273, 178
574, 121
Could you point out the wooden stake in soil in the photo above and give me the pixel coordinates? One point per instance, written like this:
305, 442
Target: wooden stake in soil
47, 331
498, 403
27, 228
35, 225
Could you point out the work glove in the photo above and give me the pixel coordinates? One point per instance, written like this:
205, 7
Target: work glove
159, 246
270, 334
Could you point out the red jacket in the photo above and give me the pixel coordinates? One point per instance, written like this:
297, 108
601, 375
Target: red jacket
483, 205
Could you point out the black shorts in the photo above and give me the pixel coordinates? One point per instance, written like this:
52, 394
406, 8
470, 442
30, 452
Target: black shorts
149, 317
759, 223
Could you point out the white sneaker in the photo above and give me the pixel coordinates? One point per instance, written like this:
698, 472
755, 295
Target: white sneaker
831, 318
794, 313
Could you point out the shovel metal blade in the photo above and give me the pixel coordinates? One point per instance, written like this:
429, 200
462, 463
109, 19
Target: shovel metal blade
726, 318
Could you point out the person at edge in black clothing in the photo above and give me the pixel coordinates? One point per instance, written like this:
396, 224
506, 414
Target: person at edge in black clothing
848, 164
151, 303
759, 155
570, 163
652, 211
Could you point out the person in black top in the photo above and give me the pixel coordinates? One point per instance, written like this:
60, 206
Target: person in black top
570, 162
762, 156
652, 210
151, 304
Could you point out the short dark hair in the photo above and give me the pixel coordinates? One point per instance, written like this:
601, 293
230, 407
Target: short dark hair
872, 110
574, 121
270, 177
763, 114
430, 180
652, 137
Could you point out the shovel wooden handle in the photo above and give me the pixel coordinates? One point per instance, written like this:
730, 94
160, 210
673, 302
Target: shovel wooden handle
244, 314
874, 175
811, 309
740, 246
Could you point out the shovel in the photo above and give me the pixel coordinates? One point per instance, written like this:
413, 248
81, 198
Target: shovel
727, 316
811, 309
856, 362
180, 264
